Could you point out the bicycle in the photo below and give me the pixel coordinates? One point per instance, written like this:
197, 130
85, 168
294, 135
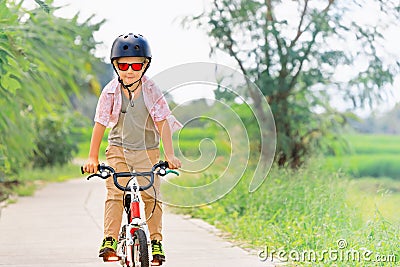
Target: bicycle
134, 238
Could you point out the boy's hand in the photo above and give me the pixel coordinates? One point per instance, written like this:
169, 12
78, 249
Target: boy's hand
173, 162
91, 166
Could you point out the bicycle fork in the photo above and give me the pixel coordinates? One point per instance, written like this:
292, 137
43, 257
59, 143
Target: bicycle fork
137, 206
126, 238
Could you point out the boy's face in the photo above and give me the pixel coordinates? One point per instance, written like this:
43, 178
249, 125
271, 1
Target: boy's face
130, 69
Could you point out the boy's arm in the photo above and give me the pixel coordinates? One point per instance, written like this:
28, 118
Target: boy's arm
166, 136
97, 136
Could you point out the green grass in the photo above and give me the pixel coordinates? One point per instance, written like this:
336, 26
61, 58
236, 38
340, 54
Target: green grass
307, 209
371, 155
50, 174
361, 165
29, 180
191, 142
84, 144
374, 144
312, 208
374, 197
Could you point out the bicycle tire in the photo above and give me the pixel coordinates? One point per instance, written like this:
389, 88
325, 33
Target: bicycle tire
140, 252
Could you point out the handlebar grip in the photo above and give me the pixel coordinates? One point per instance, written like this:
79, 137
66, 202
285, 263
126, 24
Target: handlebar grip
83, 172
174, 172
102, 171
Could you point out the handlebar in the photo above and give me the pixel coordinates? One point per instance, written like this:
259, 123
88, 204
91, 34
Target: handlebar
104, 172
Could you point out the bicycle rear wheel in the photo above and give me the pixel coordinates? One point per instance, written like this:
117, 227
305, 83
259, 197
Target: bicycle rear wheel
140, 253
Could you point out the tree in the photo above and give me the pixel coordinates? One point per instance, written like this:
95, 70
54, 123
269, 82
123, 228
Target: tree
294, 50
43, 61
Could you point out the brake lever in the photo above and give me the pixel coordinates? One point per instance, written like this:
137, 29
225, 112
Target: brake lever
102, 174
93, 175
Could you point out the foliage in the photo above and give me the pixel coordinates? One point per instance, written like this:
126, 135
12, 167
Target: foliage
55, 142
295, 52
43, 61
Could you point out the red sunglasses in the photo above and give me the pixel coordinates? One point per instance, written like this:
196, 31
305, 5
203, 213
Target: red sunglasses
134, 66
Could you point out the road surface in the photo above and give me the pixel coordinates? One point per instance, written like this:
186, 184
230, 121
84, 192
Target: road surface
61, 226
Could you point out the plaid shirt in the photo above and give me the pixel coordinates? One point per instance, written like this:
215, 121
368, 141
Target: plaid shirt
110, 104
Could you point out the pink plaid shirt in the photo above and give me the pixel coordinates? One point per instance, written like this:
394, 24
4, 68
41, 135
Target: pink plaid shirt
110, 104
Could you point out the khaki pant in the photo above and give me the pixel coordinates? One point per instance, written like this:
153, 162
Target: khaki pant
123, 160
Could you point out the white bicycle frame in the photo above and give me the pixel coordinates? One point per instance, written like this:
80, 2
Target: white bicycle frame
125, 238
136, 223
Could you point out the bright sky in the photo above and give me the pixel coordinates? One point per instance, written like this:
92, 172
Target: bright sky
160, 22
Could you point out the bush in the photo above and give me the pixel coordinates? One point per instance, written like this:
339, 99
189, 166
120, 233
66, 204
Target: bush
55, 142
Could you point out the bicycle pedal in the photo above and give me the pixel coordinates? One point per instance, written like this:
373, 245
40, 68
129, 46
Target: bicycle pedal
111, 259
110, 256
155, 262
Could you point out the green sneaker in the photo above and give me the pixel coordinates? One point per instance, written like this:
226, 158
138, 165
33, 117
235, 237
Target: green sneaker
108, 249
157, 252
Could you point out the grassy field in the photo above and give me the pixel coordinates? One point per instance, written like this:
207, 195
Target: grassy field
370, 156
375, 197
309, 209
314, 207
374, 161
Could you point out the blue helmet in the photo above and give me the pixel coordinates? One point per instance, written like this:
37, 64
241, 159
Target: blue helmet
130, 45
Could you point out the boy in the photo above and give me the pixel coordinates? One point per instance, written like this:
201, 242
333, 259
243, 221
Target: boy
138, 115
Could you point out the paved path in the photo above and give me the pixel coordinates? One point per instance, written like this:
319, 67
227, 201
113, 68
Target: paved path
61, 226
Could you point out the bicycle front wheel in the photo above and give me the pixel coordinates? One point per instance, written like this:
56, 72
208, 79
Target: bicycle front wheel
140, 253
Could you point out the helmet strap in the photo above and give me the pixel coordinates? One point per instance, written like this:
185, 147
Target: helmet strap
131, 92
126, 86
